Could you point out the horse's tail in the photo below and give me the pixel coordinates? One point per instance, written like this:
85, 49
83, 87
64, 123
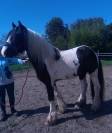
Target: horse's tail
101, 82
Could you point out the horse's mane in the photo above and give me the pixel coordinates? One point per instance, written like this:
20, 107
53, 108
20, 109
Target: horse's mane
41, 47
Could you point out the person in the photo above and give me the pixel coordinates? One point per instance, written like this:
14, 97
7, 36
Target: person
7, 85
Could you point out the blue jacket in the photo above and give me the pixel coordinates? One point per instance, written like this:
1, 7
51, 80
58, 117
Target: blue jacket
6, 76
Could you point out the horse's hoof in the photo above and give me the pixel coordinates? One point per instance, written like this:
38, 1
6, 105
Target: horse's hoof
51, 119
61, 110
49, 123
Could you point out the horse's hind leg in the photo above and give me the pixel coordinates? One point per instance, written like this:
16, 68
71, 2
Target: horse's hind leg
59, 99
82, 98
96, 100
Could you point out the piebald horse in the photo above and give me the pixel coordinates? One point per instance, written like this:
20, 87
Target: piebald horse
52, 65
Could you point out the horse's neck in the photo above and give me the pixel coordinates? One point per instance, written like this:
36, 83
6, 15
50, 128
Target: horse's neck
39, 46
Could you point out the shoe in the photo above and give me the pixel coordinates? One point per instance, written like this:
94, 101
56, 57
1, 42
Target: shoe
3, 117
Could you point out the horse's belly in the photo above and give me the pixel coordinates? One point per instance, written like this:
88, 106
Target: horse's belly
64, 72
62, 69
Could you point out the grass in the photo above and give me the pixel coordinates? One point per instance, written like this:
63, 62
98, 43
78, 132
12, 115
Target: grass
20, 67
106, 62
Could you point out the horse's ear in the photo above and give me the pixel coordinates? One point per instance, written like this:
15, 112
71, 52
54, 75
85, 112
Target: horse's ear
13, 25
21, 25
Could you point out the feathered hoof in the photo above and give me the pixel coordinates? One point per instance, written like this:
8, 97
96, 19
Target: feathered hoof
61, 110
51, 119
61, 107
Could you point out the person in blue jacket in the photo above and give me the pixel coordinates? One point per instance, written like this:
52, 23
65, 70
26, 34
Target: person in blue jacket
7, 85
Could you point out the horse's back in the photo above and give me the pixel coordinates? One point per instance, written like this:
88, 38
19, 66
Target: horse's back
82, 56
70, 54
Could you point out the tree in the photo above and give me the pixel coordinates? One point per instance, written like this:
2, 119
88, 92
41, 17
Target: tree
92, 32
57, 33
106, 37
60, 42
87, 31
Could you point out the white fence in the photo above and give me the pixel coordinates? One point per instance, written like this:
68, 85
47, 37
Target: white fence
105, 55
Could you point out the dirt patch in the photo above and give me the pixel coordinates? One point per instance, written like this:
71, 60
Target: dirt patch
34, 107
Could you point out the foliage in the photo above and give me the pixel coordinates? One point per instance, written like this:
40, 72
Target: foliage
87, 32
106, 38
57, 33
92, 32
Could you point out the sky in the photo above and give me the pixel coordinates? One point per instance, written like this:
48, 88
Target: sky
36, 13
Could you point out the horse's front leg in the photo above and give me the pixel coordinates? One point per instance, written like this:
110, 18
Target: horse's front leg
59, 99
82, 98
52, 116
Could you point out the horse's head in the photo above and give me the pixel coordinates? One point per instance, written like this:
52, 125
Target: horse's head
16, 41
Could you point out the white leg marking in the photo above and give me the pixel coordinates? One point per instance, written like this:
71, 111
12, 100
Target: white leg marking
51, 119
4, 48
82, 98
96, 100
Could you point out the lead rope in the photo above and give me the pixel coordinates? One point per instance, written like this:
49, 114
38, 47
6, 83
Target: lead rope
23, 85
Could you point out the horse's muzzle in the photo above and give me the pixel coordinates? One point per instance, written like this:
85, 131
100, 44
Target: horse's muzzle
8, 50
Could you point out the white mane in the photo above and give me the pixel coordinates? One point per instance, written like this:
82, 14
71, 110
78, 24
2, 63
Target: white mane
39, 45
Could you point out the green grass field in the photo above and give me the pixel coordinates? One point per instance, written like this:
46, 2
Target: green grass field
20, 67
106, 62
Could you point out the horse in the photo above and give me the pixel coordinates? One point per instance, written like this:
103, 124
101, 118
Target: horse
52, 65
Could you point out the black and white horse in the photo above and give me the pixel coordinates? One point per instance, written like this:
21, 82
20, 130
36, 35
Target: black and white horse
52, 65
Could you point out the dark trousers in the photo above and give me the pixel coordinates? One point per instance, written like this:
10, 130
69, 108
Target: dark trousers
10, 91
